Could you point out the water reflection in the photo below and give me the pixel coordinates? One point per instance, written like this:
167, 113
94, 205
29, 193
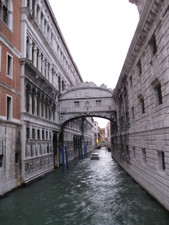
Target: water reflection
92, 192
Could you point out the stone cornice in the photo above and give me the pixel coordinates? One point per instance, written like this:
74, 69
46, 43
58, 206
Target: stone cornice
147, 20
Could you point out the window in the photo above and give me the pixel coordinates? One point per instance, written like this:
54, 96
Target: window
43, 135
161, 160
131, 82
8, 108
98, 102
1, 160
132, 111
9, 66
38, 134
0, 57
33, 101
38, 104
142, 103
158, 93
144, 155
33, 133
76, 104
5, 11
139, 68
27, 133
127, 151
134, 152
153, 45
159, 99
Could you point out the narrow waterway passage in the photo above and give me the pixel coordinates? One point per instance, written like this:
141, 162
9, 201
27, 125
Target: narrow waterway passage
92, 192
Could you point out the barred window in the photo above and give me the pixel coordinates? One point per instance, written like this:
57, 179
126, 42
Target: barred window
161, 160
159, 94
153, 45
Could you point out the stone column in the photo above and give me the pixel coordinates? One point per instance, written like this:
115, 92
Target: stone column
35, 56
43, 65
50, 73
35, 99
39, 61
39, 16
30, 49
30, 102
30, 6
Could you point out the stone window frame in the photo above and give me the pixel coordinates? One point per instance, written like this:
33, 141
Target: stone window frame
153, 45
33, 133
9, 108
27, 133
144, 155
1, 160
161, 161
76, 104
142, 103
98, 102
139, 67
9, 65
156, 84
6, 13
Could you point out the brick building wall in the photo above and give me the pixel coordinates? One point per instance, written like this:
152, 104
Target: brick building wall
10, 99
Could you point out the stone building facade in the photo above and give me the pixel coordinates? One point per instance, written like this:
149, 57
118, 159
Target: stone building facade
36, 67
140, 142
47, 71
10, 95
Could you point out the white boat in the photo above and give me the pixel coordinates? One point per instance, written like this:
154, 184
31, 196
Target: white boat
94, 155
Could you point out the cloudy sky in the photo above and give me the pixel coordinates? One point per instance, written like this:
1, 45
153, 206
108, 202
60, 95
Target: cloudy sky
98, 34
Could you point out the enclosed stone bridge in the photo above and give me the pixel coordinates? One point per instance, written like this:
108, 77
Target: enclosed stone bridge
87, 100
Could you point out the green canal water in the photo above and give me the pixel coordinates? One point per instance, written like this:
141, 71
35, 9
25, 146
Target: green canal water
89, 193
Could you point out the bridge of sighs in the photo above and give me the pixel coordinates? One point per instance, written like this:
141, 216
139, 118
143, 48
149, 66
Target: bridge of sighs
87, 100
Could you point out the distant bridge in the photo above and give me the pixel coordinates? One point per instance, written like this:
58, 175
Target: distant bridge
87, 100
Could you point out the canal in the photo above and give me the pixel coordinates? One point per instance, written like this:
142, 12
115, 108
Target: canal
89, 193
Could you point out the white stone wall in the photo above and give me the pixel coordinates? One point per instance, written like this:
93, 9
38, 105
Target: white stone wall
10, 170
142, 148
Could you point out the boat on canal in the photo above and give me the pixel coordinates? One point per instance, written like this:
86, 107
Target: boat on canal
94, 156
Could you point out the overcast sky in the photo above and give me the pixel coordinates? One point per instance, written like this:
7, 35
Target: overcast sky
98, 34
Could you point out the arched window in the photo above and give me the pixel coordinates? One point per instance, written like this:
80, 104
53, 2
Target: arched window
38, 104
42, 106
54, 108
27, 46
46, 108
27, 100
33, 101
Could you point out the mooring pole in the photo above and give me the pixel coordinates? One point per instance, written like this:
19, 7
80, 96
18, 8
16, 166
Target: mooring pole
84, 151
81, 147
66, 156
79, 151
63, 160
